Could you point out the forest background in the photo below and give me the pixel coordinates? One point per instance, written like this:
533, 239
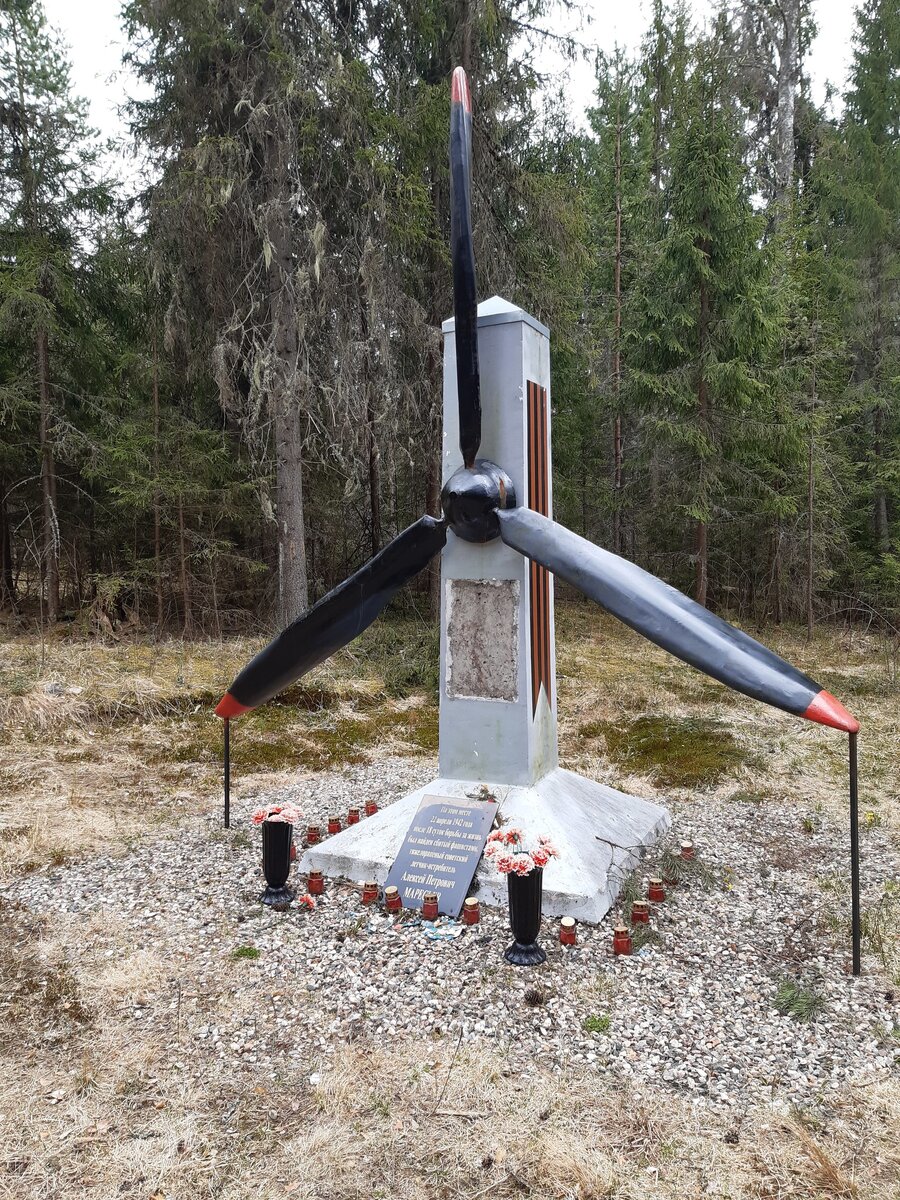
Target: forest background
220, 384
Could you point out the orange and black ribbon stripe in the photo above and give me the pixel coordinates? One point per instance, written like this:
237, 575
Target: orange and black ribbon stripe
539, 501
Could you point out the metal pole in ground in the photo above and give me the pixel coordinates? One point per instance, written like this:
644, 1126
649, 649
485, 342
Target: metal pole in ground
226, 767
854, 854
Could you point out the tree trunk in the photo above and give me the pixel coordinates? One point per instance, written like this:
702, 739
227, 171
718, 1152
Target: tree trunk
157, 554
777, 614
617, 350
49, 518
293, 587
810, 502
293, 594
880, 523
371, 440
187, 614
433, 461
701, 537
701, 559
879, 496
7, 581
788, 45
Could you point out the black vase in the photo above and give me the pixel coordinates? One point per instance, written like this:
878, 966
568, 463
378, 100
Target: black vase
525, 894
276, 839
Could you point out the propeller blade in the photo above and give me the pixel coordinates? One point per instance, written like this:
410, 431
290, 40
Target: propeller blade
336, 620
465, 300
670, 619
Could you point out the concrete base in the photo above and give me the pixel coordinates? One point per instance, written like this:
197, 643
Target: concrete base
600, 834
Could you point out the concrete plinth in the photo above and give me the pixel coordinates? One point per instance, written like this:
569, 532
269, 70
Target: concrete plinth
599, 832
498, 663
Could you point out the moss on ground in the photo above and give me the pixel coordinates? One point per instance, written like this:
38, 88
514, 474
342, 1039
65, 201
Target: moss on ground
673, 751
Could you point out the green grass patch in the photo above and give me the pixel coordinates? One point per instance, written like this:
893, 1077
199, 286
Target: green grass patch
279, 736
596, 1024
792, 999
242, 952
673, 751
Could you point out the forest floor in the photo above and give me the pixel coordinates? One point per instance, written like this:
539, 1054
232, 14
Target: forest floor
110, 762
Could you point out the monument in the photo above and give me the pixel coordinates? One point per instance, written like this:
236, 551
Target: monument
500, 549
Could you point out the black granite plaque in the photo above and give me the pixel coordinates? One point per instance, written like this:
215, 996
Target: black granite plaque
441, 851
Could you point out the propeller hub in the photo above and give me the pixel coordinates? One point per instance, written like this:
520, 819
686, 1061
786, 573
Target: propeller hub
471, 498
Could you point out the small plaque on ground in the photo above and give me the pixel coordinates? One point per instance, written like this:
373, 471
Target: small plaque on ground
441, 851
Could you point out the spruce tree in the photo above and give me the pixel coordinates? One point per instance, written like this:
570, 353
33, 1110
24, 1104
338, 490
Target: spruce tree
867, 238
50, 200
701, 345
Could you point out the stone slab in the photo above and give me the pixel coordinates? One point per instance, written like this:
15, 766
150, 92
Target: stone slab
601, 834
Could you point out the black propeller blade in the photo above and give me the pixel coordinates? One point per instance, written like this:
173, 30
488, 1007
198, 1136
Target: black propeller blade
465, 300
336, 620
670, 619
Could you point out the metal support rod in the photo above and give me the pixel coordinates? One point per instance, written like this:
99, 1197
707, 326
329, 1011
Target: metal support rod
854, 854
226, 765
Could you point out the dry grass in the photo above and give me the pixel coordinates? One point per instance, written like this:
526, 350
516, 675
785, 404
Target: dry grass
422, 1124
95, 1106
121, 739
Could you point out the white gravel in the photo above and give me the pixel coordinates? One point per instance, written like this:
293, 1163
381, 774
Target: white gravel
694, 1012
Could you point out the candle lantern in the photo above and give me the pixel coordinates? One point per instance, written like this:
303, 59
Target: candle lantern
353, 816
430, 906
471, 911
687, 850
567, 931
315, 883
371, 808
656, 893
313, 835
392, 900
621, 940
369, 891
640, 913
334, 825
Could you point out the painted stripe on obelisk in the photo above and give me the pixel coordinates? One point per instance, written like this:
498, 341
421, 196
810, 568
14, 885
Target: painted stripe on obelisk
538, 500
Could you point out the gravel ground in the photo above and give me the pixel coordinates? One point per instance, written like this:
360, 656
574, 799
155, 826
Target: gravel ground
693, 1010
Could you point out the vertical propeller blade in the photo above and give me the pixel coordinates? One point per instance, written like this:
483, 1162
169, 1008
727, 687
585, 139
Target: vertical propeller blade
336, 620
465, 300
670, 619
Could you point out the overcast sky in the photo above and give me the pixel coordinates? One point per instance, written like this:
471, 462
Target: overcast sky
93, 32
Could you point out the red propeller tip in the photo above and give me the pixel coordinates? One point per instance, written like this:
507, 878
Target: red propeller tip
229, 707
459, 90
828, 710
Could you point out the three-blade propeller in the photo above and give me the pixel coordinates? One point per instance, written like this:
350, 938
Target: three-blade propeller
479, 505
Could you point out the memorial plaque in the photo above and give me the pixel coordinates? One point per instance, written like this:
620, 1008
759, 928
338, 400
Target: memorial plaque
441, 850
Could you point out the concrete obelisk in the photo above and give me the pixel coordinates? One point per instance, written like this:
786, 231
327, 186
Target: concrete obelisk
498, 667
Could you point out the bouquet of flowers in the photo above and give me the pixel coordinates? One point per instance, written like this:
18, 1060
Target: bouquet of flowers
278, 812
511, 856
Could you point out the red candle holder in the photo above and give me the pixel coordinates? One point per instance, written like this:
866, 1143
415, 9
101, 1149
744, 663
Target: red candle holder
640, 913
315, 883
353, 816
369, 892
687, 850
471, 911
656, 893
621, 940
293, 851
334, 825
567, 931
371, 808
313, 835
430, 906
392, 900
